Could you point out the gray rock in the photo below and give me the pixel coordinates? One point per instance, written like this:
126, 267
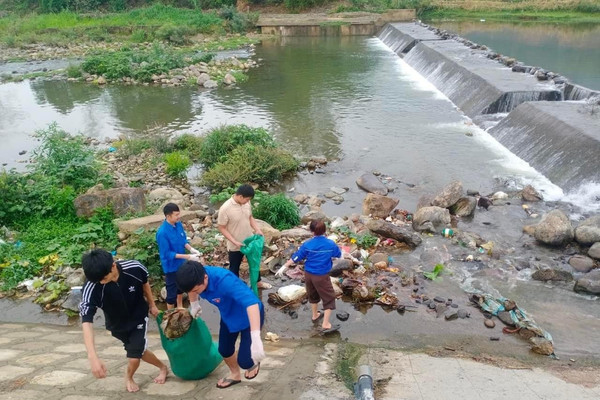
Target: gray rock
552, 274
462, 314
431, 219
594, 251
449, 195
395, 232
342, 315
210, 84
150, 222
229, 79
72, 301
541, 346
162, 194
589, 283
555, 229
340, 265
530, 194
451, 314
489, 323
581, 263
296, 233
370, 183
75, 278
378, 206
424, 201
504, 316
588, 232
122, 200
378, 257
464, 207
314, 215
202, 79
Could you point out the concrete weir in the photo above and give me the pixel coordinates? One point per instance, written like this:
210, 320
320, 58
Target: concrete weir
466, 76
559, 139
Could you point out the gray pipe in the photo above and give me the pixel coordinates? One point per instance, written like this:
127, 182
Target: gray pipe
363, 388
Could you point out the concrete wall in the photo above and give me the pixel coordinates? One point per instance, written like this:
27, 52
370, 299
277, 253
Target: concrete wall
321, 30
559, 139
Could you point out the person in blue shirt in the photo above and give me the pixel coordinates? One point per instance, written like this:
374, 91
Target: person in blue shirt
172, 244
242, 314
318, 253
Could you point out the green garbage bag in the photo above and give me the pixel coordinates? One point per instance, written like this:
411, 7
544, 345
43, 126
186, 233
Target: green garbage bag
252, 249
193, 355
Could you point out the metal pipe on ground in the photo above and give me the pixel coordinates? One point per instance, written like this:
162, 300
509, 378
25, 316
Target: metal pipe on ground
363, 388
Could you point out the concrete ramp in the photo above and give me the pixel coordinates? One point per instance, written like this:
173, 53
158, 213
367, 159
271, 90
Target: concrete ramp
466, 76
559, 139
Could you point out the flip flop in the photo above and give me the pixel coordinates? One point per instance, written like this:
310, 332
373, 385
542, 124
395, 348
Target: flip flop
321, 314
334, 328
228, 382
252, 368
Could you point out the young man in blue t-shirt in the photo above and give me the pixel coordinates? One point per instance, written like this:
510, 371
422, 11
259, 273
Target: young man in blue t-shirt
172, 244
242, 314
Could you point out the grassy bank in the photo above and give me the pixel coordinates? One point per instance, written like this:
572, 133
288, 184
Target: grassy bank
158, 22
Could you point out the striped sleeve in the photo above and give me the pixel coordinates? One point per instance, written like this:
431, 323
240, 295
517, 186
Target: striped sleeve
87, 307
135, 269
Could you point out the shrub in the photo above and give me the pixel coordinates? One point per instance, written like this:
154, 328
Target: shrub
173, 33
74, 71
142, 246
190, 144
278, 210
250, 163
221, 141
236, 21
177, 163
66, 158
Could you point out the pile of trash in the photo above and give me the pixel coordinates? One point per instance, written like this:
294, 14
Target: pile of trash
176, 322
517, 321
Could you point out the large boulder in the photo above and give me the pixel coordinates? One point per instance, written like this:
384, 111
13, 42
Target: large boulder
424, 201
151, 222
554, 230
267, 230
581, 263
378, 206
370, 183
589, 283
449, 195
588, 232
162, 194
431, 219
314, 215
530, 194
122, 201
594, 251
389, 230
296, 233
464, 207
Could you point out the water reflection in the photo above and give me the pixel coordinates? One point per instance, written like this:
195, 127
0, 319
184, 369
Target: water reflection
572, 50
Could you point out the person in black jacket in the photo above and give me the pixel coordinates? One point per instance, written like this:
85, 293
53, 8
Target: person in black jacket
122, 291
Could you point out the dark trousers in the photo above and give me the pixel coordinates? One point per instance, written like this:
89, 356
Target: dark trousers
235, 260
227, 341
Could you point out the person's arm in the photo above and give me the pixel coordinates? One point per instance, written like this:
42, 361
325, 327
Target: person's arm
229, 236
297, 256
150, 299
257, 350
255, 226
97, 366
166, 254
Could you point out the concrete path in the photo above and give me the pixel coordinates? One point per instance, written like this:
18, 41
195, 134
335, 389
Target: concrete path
49, 362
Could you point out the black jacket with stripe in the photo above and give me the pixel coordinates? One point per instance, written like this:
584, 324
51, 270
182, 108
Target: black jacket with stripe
123, 301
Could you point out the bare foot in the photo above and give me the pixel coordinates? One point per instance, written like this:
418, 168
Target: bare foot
162, 376
131, 386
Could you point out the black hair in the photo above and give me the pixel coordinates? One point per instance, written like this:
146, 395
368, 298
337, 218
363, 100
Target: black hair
317, 227
190, 274
96, 264
245, 191
170, 208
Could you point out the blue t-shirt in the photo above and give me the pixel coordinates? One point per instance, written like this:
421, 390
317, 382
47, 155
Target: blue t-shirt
231, 296
171, 241
318, 252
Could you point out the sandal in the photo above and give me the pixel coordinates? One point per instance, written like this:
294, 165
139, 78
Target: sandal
251, 369
333, 329
321, 314
227, 382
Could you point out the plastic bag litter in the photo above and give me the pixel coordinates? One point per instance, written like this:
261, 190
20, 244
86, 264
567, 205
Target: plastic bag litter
291, 292
252, 249
176, 322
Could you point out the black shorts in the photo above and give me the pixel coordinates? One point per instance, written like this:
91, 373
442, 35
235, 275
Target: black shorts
134, 341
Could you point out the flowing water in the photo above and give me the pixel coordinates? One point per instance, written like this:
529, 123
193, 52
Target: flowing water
350, 99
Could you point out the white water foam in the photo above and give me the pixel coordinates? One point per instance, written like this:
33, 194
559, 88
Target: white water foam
408, 74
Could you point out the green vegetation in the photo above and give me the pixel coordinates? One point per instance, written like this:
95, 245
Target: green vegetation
141, 246
223, 140
177, 164
251, 163
347, 360
363, 241
435, 274
278, 210
38, 206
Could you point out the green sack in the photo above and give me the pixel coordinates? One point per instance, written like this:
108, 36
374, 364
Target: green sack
193, 355
252, 249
